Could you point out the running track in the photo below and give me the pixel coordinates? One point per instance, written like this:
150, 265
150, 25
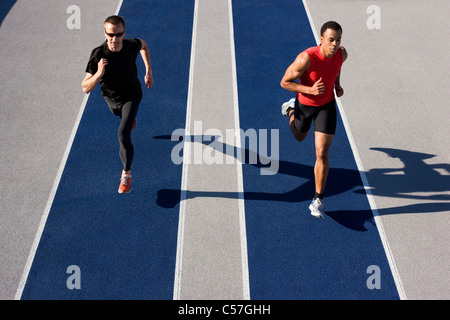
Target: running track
126, 246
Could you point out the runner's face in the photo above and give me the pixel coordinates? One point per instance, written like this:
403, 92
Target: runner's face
114, 34
331, 41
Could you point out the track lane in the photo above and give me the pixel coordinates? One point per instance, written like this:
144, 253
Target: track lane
291, 254
124, 246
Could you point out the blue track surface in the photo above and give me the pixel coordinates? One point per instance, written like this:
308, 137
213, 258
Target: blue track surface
125, 246
5, 7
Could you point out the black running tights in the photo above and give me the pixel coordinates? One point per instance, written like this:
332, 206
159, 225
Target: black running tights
127, 112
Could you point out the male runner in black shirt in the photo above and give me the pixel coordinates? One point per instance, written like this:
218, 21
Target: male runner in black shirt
113, 65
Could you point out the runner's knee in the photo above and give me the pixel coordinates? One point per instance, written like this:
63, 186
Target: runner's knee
322, 153
299, 136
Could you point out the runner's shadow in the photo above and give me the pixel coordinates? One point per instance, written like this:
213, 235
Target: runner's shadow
357, 219
348, 179
417, 180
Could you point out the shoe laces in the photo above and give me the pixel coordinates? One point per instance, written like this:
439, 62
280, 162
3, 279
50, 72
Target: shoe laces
125, 179
318, 202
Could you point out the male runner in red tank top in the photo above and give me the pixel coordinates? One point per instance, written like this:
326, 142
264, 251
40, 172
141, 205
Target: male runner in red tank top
318, 71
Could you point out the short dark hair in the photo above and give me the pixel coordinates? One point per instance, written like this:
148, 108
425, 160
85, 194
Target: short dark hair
330, 25
115, 20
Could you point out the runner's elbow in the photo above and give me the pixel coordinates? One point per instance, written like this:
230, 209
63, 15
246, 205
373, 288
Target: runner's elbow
85, 88
286, 85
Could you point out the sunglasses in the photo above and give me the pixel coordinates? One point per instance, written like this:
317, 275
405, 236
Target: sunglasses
112, 35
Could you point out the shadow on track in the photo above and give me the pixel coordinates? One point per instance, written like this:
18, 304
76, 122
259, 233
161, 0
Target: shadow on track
415, 177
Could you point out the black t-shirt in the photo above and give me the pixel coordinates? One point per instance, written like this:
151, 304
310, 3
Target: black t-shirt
120, 81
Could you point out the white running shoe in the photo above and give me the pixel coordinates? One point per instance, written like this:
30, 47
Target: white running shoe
316, 208
286, 106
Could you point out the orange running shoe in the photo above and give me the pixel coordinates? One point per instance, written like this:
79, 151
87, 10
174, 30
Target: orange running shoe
125, 183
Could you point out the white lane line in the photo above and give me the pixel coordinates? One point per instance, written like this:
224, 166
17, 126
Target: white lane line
240, 182
119, 5
37, 238
48, 206
365, 182
186, 160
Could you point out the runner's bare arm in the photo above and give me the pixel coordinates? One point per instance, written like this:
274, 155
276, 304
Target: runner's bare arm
337, 83
145, 53
295, 71
90, 80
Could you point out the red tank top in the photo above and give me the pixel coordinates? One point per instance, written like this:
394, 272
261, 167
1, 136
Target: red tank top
320, 67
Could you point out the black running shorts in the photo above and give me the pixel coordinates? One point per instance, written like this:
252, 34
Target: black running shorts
324, 117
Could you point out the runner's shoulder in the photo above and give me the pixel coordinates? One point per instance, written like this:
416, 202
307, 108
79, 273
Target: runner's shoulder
303, 59
344, 53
